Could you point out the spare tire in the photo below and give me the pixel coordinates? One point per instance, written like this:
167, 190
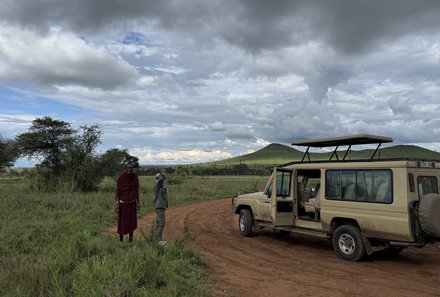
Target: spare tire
429, 214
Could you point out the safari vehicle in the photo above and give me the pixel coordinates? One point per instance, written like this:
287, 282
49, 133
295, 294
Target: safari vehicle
363, 206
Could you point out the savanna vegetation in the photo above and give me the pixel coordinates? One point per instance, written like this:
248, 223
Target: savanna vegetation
54, 244
53, 219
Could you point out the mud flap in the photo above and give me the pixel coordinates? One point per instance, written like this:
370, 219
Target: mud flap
368, 248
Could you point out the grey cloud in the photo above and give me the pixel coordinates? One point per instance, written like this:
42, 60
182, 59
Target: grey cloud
217, 126
354, 26
326, 77
255, 26
399, 106
239, 132
348, 25
93, 75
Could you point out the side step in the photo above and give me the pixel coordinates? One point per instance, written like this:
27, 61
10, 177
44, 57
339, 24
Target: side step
301, 231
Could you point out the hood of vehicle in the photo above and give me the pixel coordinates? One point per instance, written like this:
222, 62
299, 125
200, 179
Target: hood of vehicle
250, 195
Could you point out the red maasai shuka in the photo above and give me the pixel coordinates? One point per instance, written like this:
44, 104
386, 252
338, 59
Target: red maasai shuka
127, 193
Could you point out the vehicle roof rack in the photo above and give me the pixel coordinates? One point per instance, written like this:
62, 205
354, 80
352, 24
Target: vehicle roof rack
357, 139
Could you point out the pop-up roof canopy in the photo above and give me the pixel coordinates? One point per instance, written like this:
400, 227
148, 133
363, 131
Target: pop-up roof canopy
342, 141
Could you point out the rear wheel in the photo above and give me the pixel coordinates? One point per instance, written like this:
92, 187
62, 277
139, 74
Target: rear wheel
245, 222
348, 243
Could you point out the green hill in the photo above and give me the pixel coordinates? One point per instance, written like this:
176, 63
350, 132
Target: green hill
272, 154
277, 154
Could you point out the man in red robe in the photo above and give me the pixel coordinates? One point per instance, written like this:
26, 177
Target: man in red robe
127, 202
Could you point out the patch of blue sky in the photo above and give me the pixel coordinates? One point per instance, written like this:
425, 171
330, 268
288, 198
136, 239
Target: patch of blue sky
133, 38
24, 163
16, 102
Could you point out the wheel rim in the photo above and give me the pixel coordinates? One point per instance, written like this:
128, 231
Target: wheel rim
346, 244
242, 224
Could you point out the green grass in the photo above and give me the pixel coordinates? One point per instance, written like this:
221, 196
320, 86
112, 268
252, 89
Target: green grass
53, 244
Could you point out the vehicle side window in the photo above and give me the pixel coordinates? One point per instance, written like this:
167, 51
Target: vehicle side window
427, 185
359, 185
269, 190
283, 183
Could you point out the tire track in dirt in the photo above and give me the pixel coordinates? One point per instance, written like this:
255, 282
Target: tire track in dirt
271, 264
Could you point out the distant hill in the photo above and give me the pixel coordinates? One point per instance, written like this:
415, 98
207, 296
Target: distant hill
272, 154
277, 154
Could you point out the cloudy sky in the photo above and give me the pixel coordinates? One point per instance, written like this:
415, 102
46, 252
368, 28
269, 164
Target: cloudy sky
192, 81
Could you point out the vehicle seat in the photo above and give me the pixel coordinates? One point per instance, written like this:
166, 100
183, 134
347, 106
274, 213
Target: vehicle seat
361, 192
302, 195
355, 192
349, 192
313, 205
383, 192
315, 193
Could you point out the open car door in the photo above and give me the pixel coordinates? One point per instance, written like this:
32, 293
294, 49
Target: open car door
282, 203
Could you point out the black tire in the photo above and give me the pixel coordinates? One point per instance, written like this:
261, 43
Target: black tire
245, 222
348, 243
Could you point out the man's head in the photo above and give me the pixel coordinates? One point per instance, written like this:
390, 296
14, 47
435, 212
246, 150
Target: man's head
129, 167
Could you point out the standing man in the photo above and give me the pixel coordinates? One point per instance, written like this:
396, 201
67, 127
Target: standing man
160, 204
127, 202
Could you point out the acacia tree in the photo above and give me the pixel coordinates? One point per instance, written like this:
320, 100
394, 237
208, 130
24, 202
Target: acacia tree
46, 140
113, 161
8, 153
68, 156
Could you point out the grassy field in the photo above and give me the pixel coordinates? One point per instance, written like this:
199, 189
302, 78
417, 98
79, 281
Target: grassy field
52, 244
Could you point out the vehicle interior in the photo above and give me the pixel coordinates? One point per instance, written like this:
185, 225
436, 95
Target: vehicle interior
308, 193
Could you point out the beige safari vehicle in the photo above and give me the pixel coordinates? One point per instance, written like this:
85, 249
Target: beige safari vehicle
363, 206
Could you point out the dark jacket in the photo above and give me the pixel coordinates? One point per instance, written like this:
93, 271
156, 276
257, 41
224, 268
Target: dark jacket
160, 193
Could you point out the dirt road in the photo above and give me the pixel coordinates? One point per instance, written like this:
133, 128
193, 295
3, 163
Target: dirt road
272, 264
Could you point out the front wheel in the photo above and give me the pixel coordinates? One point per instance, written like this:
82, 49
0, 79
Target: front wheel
348, 243
245, 222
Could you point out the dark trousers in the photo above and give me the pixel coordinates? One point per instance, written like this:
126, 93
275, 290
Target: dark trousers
160, 223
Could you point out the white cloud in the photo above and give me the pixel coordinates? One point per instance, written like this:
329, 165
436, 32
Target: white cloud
59, 58
171, 69
150, 156
13, 124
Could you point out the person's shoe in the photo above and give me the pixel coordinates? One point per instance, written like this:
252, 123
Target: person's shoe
162, 242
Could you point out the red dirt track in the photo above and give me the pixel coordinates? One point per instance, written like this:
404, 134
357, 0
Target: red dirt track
272, 264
